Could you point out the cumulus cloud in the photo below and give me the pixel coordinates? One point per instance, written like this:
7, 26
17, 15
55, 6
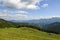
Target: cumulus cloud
45, 5
19, 4
25, 4
13, 15
20, 15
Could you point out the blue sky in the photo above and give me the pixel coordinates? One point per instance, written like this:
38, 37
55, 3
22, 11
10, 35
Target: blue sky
29, 9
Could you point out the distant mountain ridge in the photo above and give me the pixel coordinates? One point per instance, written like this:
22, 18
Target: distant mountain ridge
41, 22
55, 27
51, 24
44, 24
50, 20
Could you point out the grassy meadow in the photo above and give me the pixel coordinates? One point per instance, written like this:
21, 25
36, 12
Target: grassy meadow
25, 33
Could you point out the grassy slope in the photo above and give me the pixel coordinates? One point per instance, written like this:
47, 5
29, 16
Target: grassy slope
4, 24
26, 34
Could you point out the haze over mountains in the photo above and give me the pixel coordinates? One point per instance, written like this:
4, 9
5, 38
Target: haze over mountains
51, 24
41, 21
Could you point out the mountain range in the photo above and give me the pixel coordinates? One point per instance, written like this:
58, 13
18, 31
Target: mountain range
40, 22
52, 24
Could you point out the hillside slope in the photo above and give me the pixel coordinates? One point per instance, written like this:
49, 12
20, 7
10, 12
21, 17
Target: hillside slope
8, 24
4, 23
53, 27
25, 33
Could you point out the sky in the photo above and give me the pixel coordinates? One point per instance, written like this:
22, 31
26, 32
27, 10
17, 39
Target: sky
29, 9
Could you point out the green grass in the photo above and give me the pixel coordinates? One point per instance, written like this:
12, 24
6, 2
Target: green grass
25, 33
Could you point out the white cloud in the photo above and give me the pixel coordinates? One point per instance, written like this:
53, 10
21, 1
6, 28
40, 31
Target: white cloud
20, 15
19, 4
25, 4
13, 15
45, 5
32, 7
